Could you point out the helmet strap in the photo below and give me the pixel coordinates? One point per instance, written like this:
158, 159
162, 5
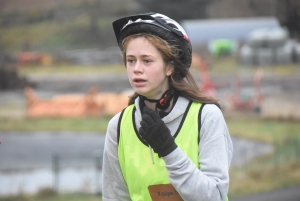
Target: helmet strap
164, 102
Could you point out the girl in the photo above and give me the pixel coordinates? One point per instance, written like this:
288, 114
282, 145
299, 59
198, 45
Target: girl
171, 142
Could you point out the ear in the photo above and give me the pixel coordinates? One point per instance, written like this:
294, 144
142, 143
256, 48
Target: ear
169, 69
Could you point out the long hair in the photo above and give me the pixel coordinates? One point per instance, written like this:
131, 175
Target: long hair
181, 79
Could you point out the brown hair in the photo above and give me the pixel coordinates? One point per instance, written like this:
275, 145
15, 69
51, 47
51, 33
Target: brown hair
181, 79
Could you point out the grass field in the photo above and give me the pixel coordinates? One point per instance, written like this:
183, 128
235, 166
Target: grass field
96, 124
55, 35
69, 70
268, 172
52, 196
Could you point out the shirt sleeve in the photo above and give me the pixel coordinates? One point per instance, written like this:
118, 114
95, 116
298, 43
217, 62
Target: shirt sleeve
211, 181
113, 185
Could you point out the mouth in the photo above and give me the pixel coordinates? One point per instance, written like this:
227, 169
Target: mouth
139, 80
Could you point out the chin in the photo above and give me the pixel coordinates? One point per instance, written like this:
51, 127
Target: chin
142, 93
140, 90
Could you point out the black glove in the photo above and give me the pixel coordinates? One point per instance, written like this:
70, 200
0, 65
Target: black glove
154, 131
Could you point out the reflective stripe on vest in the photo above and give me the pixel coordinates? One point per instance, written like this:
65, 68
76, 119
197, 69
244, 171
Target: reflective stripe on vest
134, 156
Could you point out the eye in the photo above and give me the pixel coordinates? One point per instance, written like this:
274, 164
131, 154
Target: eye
147, 61
130, 60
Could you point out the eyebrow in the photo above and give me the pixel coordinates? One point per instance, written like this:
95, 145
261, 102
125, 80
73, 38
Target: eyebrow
146, 55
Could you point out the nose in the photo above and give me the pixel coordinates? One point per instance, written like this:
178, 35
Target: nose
138, 68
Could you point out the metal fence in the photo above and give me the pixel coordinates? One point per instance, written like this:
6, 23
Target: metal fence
73, 173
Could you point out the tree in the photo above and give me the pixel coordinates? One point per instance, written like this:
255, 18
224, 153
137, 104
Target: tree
288, 13
177, 9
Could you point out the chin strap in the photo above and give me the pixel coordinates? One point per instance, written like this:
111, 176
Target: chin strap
164, 102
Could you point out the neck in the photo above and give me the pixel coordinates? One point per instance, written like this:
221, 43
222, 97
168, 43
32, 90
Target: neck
163, 104
150, 105
153, 106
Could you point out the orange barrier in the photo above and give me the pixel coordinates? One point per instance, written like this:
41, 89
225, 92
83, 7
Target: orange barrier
90, 104
207, 86
25, 58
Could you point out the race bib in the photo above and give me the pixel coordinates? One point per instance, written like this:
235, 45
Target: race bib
164, 192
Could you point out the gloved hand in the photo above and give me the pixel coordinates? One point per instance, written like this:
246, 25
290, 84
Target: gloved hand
154, 131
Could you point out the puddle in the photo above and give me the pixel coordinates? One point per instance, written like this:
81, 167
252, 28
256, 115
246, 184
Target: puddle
246, 150
86, 180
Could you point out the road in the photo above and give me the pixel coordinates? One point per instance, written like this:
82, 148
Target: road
284, 194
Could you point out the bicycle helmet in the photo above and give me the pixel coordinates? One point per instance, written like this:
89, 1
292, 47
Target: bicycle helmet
159, 25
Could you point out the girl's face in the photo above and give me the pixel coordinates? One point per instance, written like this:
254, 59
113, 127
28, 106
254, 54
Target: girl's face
147, 72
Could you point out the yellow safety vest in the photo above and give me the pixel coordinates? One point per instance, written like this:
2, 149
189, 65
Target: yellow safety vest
134, 156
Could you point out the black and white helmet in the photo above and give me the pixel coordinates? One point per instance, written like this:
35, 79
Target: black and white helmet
157, 24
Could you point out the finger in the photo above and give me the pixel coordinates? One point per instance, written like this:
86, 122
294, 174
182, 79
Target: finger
145, 125
142, 132
151, 113
148, 119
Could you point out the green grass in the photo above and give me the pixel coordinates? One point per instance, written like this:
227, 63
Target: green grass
266, 130
80, 124
231, 65
52, 36
38, 35
70, 70
268, 172
54, 197
260, 177
72, 197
